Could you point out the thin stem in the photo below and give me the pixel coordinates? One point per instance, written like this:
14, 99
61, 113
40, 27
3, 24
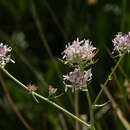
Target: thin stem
90, 110
42, 36
62, 121
109, 78
90, 104
123, 94
33, 69
45, 99
121, 69
13, 78
123, 16
76, 109
62, 109
12, 104
118, 111
55, 19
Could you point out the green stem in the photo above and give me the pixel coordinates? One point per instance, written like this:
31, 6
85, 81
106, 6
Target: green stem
90, 110
76, 104
123, 15
109, 78
45, 99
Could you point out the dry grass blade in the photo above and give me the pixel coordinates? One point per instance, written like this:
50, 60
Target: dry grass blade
118, 111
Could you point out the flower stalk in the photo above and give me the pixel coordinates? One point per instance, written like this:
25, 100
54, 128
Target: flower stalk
45, 99
91, 110
109, 78
80, 55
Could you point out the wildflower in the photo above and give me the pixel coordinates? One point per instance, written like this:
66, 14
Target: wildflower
78, 52
77, 79
52, 90
32, 87
4, 58
121, 42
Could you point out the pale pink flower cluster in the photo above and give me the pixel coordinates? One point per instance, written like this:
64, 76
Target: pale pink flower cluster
4, 58
77, 79
121, 42
78, 52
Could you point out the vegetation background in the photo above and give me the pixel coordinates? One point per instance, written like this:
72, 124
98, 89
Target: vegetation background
38, 31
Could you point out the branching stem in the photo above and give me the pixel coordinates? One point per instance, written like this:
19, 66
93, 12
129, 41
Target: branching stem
108, 78
45, 99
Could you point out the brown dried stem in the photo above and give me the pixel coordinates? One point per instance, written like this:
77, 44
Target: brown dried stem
12, 104
124, 96
117, 109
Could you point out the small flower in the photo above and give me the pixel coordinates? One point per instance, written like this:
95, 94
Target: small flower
32, 87
78, 52
77, 79
4, 58
52, 90
121, 42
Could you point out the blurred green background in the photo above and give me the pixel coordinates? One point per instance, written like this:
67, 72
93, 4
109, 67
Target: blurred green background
38, 31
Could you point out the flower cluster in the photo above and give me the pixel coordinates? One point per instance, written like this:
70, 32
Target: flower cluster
121, 42
78, 52
4, 58
77, 79
78, 55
